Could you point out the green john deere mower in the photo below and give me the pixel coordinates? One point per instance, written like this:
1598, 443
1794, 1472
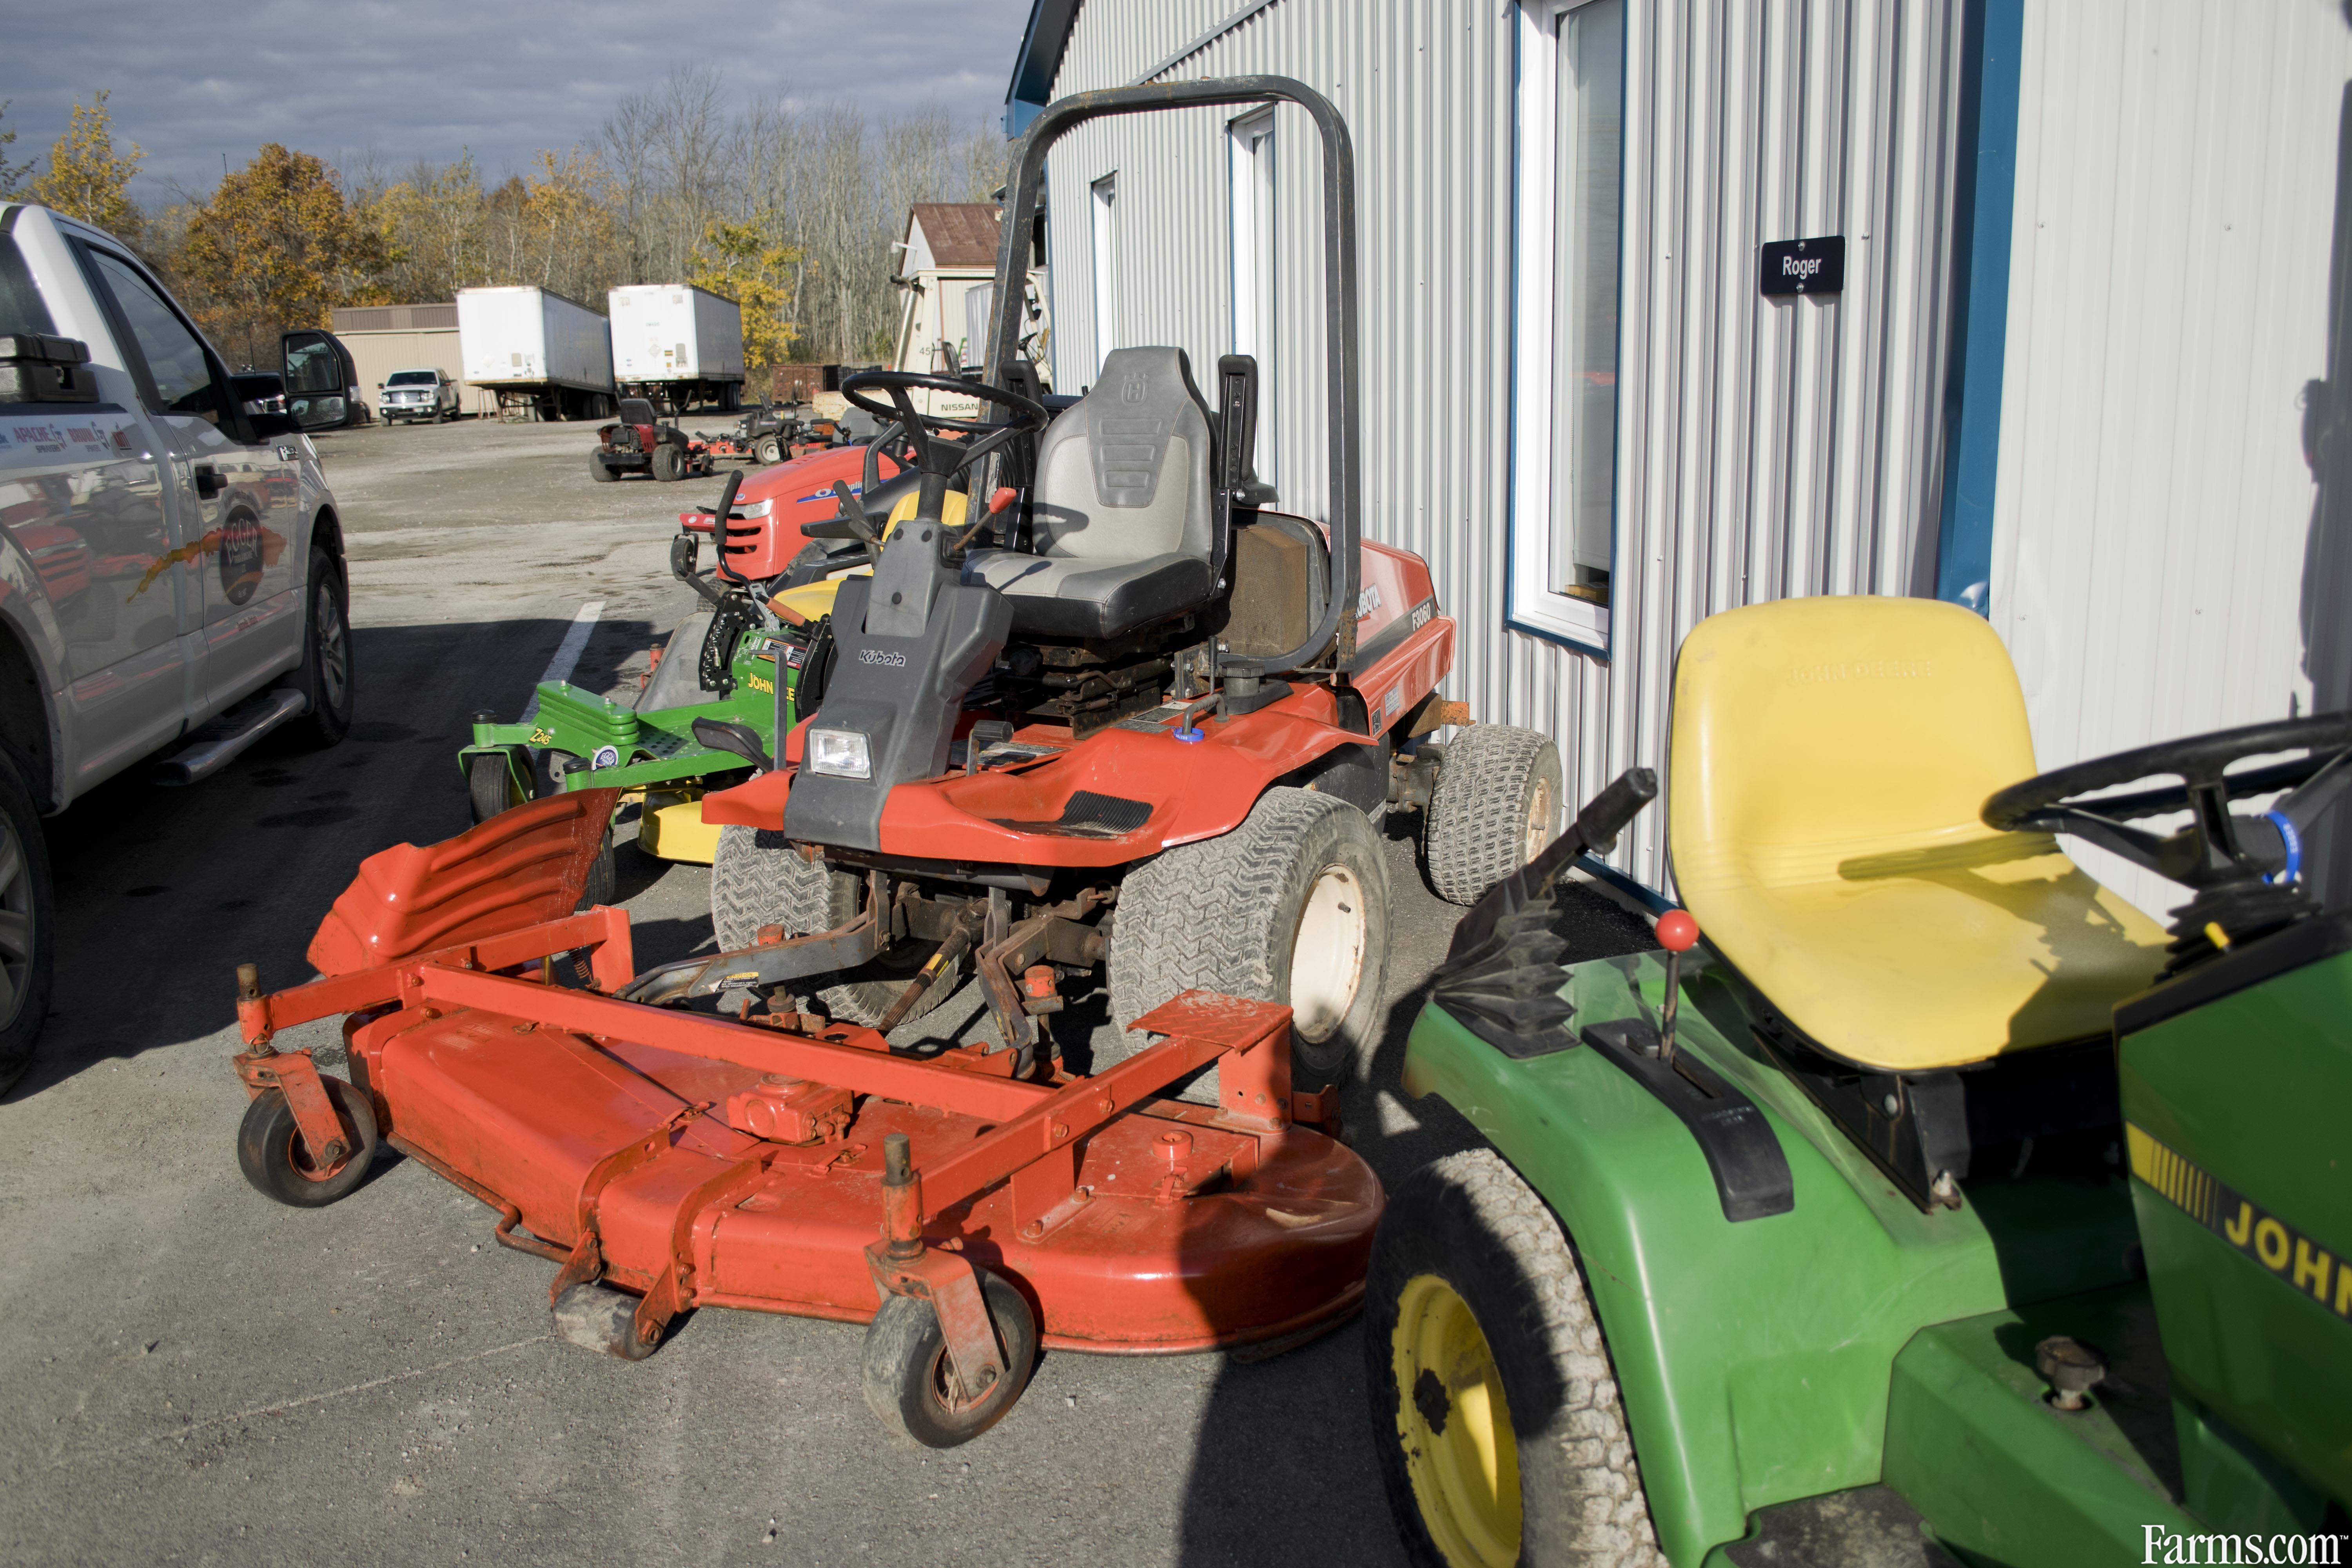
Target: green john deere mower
1922, 1201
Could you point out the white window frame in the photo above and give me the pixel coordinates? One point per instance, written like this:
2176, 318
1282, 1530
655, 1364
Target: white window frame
1249, 195
1533, 604
1102, 199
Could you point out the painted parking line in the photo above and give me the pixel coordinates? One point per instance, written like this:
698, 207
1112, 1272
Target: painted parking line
567, 653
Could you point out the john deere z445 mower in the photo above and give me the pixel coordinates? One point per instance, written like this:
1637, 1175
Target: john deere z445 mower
1124, 717
1922, 1201
754, 655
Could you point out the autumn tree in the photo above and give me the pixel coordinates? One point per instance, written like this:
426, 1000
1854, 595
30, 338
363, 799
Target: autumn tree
11, 175
743, 262
276, 248
86, 178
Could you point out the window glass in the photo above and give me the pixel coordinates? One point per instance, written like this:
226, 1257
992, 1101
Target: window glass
312, 366
1589, 157
411, 378
22, 309
174, 355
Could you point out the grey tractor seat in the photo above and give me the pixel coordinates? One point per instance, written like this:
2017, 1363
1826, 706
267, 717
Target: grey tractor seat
1122, 511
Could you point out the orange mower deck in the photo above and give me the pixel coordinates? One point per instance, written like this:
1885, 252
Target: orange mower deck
692, 1160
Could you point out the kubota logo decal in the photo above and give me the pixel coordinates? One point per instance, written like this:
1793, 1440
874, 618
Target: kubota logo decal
875, 656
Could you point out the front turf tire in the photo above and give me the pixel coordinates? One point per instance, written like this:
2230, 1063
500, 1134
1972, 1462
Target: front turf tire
1495, 808
758, 878
1292, 907
1479, 1339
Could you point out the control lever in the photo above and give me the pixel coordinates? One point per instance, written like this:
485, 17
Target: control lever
736, 740
1004, 496
1678, 933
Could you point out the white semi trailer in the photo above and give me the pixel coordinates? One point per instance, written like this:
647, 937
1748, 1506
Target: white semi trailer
537, 351
677, 345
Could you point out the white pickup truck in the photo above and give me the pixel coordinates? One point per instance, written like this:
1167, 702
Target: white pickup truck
171, 574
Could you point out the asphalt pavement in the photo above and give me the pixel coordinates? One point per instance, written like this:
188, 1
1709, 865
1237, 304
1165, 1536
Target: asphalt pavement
195, 1374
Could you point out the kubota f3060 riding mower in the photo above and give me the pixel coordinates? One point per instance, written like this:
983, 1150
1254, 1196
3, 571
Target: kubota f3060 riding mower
1171, 741
1934, 1185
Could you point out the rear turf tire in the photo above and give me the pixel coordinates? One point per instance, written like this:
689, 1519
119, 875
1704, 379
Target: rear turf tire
1478, 1333
904, 1367
1496, 806
768, 450
758, 879
28, 923
1292, 907
666, 461
598, 471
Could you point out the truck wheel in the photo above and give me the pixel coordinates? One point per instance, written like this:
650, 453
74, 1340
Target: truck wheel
768, 450
598, 471
326, 668
270, 1150
1292, 906
758, 878
1495, 1410
905, 1373
1495, 806
27, 924
666, 462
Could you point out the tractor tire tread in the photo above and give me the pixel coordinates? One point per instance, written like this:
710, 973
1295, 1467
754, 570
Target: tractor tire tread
1581, 1483
1203, 915
1475, 833
757, 879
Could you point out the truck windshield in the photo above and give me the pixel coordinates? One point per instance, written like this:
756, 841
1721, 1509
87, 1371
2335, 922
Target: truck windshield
22, 310
411, 378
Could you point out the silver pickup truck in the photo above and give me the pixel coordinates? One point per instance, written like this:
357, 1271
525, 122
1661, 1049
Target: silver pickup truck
172, 581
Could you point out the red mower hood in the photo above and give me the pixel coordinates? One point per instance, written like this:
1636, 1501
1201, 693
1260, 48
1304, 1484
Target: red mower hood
800, 490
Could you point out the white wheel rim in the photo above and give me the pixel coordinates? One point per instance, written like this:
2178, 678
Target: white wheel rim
1327, 957
1540, 815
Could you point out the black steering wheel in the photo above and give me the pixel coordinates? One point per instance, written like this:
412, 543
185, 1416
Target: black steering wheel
2218, 852
925, 432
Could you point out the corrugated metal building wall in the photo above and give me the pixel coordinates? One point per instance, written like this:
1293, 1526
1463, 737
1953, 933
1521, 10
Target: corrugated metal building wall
2168, 302
1767, 446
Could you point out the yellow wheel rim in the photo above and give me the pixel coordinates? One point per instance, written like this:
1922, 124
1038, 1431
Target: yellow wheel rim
1456, 1428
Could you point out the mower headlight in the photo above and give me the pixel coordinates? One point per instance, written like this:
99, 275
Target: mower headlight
840, 753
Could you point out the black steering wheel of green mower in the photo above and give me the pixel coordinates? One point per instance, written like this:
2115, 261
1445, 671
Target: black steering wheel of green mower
934, 454
2212, 851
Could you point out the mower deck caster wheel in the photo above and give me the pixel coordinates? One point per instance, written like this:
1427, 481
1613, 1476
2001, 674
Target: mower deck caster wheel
907, 1374
270, 1150
599, 1317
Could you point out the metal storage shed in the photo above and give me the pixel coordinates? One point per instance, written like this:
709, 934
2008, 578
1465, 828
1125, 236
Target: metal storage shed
2085, 263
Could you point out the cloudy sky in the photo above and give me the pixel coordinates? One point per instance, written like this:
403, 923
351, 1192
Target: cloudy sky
191, 82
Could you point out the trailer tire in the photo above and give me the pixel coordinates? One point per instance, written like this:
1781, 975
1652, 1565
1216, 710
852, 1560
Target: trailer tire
758, 878
28, 954
1303, 878
1495, 806
905, 1368
1475, 1315
267, 1152
599, 470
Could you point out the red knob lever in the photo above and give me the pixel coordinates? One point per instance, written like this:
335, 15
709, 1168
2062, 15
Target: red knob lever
1005, 496
1677, 933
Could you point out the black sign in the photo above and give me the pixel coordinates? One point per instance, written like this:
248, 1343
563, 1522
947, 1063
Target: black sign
1804, 266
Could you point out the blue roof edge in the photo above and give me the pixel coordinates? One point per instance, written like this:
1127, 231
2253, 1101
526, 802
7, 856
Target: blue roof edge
1041, 43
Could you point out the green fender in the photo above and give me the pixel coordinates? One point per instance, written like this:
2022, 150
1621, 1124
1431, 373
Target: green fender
1754, 1358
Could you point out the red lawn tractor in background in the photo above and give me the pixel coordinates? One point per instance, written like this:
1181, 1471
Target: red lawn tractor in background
1126, 725
639, 443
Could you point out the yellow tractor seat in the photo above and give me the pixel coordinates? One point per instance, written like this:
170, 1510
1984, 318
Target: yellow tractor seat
1830, 756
